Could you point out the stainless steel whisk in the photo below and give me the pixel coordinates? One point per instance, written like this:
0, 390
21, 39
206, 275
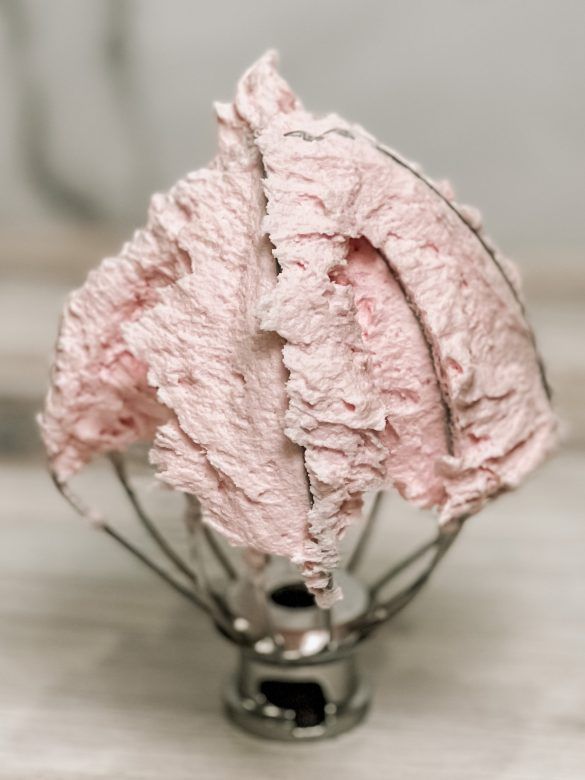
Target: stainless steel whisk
297, 676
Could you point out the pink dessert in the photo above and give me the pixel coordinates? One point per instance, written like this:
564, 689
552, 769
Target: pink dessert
304, 321
223, 377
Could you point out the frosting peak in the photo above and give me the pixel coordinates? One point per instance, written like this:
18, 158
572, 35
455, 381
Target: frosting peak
307, 319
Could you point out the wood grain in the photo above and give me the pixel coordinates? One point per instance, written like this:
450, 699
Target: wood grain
105, 674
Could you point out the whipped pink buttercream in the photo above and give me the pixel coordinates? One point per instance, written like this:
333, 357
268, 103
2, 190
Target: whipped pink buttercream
99, 400
222, 376
309, 307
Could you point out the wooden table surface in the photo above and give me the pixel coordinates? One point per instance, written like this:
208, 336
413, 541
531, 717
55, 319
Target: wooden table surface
106, 674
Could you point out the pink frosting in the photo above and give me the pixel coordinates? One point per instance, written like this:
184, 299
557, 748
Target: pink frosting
222, 376
328, 186
99, 400
402, 365
309, 312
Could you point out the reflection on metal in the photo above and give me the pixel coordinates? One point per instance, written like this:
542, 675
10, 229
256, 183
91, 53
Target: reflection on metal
297, 677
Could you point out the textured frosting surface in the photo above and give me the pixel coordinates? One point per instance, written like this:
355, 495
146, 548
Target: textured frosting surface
305, 320
222, 376
99, 400
402, 365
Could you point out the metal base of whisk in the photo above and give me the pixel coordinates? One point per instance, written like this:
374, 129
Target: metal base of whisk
296, 701
301, 685
297, 677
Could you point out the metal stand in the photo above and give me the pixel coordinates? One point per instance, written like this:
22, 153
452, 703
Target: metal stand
297, 677
297, 701
300, 682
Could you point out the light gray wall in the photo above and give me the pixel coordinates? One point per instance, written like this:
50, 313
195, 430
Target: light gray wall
104, 101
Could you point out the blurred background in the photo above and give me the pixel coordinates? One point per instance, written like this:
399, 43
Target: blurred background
104, 102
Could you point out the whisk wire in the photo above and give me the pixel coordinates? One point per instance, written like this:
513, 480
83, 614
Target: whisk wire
385, 610
359, 550
210, 599
147, 561
173, 557
219, 553
402, 565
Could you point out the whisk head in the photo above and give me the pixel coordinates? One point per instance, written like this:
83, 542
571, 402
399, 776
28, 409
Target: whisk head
297, 675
